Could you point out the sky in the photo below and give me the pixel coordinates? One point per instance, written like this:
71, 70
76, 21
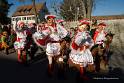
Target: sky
102, 7
109, 7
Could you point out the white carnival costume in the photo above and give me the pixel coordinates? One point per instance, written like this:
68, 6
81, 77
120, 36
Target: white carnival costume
48, 38
41, 37
80, 54
21, 39
56, 34
100, 36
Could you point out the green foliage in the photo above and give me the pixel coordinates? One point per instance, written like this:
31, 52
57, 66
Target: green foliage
76, 9
69, 9
4, 9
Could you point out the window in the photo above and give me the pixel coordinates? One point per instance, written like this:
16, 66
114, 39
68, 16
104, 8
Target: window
14, 19
28, 18
18, 18
33, 18
23, 18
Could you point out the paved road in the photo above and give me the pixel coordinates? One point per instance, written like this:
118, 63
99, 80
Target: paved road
35, 72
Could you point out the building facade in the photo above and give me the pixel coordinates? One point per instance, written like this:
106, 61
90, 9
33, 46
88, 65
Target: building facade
26, 14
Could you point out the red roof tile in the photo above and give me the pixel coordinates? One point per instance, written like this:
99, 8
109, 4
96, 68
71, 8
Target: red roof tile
27, 10
111, 17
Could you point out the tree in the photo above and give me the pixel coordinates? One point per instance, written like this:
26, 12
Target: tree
68, 9
87, 7
76, 9
4, 9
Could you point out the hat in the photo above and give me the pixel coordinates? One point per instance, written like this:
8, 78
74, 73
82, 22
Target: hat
50, 16
81, 26
84, 21
102, 24
59, 21
30, 24
20, 22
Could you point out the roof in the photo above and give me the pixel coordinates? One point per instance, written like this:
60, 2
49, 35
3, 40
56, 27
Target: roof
111, 17
27, 10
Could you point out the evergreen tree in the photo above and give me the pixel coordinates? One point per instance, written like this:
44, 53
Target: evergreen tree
4, 9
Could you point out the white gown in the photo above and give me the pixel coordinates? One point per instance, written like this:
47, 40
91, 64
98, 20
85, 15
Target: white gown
53, 49
21, 40
41, 38
100, 38
82, 57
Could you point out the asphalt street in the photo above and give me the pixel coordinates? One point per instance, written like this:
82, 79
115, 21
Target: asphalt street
36, 71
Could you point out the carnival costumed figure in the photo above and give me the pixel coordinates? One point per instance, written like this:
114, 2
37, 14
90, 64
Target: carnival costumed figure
41, 36
68, 36
65, 45
80, 54
99, 36
99, 40
32, 27
72, 33
60, 21
56, 33
4, 42
20, 42
31, 47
